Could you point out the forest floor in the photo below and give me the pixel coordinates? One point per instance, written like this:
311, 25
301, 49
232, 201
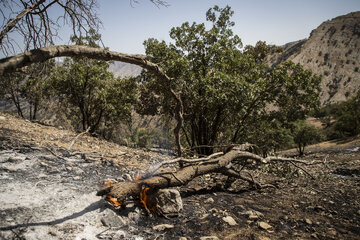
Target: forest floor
49, 192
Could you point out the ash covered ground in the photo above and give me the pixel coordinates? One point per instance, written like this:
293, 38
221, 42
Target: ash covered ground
47, 192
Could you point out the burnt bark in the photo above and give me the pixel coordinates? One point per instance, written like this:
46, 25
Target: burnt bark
222, 163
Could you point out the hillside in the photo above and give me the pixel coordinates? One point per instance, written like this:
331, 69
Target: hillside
333, 52
121, 69
49, 192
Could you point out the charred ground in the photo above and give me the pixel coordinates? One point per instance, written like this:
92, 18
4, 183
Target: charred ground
49, 192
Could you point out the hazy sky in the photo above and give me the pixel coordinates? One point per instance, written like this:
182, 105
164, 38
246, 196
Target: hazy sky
274, 21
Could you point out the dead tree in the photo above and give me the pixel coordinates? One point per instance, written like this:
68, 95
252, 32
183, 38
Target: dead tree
215, 163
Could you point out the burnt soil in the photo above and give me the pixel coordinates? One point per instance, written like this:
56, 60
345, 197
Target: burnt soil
49, 192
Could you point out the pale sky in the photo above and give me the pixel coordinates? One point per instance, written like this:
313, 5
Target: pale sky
126, 27
274, 21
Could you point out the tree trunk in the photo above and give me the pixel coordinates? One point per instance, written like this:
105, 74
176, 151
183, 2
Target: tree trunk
216, 163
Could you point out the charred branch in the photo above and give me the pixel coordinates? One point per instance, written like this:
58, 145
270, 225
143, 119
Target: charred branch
216, 163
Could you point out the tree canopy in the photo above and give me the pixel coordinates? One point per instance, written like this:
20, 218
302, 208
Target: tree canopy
223, 87
93, 94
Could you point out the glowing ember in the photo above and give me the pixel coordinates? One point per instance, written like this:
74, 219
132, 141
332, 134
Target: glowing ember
137, 177
113, 200
110, 198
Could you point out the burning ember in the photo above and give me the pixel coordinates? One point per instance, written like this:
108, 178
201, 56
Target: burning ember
110, 198
149, 201
147, 198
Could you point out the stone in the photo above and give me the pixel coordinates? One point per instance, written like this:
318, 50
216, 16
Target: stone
253, 215
182, 238
264, 225
209, 200
308, 221
263, 238
169, 201
331, 231
209, 238
134, 216
231, 221
162, 227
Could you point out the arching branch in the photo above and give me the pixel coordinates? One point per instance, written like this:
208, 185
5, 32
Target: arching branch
11, 64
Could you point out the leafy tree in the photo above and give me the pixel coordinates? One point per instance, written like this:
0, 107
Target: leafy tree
304, 135
30, 85
223, 88
94, 97
348, 117
269, 135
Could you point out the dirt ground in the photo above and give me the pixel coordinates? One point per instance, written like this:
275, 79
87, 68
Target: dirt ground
48, 192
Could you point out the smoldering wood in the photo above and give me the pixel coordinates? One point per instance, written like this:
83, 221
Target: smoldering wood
217, 163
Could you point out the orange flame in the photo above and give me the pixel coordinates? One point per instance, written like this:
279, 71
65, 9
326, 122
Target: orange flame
113, 200
110, 198
148, 201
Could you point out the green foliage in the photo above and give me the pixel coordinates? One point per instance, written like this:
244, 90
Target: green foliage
224, 89
30, 85
304, 135
268, 135
341, 119
93, 97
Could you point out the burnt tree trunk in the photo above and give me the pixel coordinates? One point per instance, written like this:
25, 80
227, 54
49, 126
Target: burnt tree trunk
222, 163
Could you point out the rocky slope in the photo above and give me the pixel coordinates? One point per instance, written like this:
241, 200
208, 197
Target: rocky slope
121, 69
333, 52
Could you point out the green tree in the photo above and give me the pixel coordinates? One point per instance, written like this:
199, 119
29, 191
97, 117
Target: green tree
223, 88
94, 97
304, 135
30, 86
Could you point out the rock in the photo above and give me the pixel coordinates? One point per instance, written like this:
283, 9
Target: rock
358, 212
331, 231
16, 159
308, 221
134, 216
319, 209
263, 238
182, 238
169, 201
78, 171
314, 235
41, 175
111, 219
231, 221
209, 238
209, 200
2, 118
264, 225
162, 227
253, 215
204, 216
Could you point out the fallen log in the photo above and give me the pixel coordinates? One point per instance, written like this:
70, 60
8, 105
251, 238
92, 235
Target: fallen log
222, 163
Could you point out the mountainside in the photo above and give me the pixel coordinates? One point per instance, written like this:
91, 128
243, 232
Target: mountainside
333, 52
121, 69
